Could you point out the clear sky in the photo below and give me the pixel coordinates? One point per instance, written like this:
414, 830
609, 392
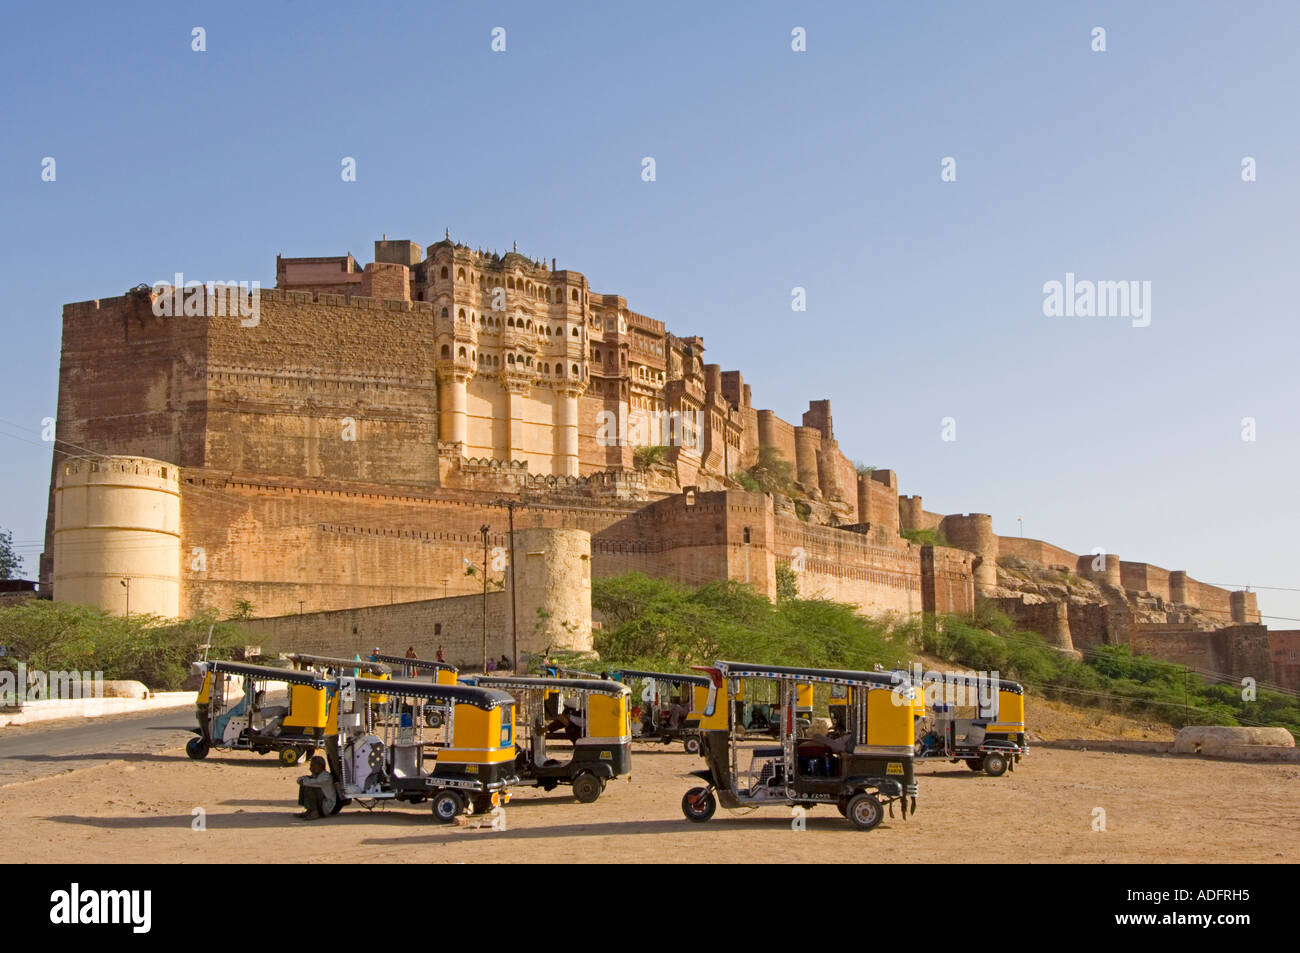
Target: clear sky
775, 169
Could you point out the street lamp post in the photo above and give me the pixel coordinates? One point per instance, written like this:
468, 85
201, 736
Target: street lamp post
126, 582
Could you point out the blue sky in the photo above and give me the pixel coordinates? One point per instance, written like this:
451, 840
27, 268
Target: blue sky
775, 169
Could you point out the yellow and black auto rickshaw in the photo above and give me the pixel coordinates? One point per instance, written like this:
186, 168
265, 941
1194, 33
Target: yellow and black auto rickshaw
235, 712
590, 713
669, 705
444, 673
385, 749
863, 769
972, 718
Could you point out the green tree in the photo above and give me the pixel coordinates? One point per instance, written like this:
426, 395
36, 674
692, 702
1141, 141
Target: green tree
11, 564
772, 472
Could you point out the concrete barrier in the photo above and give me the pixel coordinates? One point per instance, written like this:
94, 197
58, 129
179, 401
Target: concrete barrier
1283, 754
1210, 739
56, 709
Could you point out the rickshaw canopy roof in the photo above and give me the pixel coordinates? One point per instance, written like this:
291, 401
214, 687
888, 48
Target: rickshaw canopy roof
363, 664
592, 686
485, 698
664, 676
958, 678
837, 676
415, 663
265, 673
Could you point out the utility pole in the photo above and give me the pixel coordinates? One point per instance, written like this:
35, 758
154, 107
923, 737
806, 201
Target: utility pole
484, 530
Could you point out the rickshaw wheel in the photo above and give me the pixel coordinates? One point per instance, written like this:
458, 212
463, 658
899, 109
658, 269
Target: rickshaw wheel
975, 764
586, 787
995, 765
692, 745
699, 804
446, 806
864, 811
289, 756
197, 748
433, 719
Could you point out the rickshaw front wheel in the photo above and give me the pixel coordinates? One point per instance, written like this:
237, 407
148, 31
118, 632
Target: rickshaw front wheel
692, 745
446, 806
586, 787
864, 811
699, 804
197, 748
289, 756
995, 765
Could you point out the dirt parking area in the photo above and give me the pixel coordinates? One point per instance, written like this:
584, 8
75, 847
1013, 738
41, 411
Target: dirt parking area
142, 808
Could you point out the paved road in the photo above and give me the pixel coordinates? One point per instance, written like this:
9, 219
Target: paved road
36, 751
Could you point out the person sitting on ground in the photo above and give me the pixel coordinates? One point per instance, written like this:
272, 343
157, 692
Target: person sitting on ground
440, 656
504, 664
491, 665
316, 791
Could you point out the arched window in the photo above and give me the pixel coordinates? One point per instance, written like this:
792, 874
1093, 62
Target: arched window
446, 351
443, 273
575, 332
460, 353
461, 314
530, 325
510, 358
510, 322
574, 296
444, 312
575, 370
460, 274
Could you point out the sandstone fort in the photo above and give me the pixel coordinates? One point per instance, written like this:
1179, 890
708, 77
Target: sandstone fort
332, 462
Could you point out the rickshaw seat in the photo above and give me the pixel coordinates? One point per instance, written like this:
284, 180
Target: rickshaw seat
406, 761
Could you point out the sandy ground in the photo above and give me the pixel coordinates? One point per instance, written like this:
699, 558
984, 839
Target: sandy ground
1157, 809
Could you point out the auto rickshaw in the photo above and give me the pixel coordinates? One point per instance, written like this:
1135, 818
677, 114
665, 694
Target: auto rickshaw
862, 770
384, 748
444, 673
234, 714
670, 706
992, 740
590, 713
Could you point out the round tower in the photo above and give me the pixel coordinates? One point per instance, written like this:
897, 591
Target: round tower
974, 532
1102, 568
910, 513
1178, 587
117, 543
807, 442
553, 601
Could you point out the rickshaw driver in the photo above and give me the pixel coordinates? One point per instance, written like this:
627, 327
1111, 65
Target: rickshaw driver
570, 721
